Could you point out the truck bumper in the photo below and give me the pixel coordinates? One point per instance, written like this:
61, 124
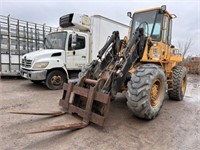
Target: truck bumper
33, 75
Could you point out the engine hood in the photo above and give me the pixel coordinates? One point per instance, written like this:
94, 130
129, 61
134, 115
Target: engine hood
42, 54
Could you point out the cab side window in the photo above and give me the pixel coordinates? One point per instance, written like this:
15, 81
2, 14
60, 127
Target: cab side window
170, 32
165, 32
80, 44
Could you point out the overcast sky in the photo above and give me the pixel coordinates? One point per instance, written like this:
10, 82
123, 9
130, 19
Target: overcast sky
185, 26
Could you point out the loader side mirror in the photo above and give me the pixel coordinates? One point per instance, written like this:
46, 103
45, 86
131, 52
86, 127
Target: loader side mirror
74, 40
163, 9
129, 14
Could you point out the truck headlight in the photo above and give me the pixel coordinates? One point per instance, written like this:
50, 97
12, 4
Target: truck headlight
40, 65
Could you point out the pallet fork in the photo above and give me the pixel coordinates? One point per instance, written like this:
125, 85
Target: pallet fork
70, 92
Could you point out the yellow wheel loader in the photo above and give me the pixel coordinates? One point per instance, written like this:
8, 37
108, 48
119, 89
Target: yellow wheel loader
143, 64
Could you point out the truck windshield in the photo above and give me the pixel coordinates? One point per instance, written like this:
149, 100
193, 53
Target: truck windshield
151, 21
55, 40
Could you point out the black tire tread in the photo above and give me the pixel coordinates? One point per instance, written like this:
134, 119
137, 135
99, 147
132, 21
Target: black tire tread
178, 74
139, 88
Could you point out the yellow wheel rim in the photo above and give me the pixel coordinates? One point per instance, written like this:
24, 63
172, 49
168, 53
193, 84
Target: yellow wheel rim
183, 84
155, 94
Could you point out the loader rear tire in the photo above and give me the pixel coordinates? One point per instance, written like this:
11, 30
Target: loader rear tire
179, 79
146, 91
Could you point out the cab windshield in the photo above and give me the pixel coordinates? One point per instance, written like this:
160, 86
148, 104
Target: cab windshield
55, 40
151, 21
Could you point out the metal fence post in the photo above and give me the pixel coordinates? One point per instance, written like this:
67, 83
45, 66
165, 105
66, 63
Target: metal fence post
36, 44
0, 49
44, 33
27, 37
9, 42
24, 37
18, 42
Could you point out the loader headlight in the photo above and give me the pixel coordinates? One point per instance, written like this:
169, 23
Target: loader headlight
40, 65
155, 44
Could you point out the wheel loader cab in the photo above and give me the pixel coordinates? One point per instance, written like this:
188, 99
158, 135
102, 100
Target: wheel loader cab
150, 21
157, 25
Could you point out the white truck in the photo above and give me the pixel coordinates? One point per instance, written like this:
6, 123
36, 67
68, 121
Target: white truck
75, 44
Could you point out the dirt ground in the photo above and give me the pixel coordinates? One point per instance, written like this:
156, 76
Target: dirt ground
176, 127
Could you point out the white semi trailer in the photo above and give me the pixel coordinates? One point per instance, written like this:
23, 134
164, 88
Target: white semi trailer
75, 44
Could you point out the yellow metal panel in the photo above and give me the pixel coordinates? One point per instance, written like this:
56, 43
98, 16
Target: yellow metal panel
176, 58
150, 9
144, 10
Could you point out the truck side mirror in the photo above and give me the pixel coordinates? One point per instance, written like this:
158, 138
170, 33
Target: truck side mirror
74, 40
45, 43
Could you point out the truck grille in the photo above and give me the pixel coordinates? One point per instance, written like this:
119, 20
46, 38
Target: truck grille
26, 63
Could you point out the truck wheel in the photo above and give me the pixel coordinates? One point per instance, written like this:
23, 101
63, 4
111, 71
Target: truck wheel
37, 81
179, 80
55, 80
146, 91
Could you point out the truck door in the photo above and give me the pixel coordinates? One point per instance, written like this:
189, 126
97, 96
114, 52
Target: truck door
76, 57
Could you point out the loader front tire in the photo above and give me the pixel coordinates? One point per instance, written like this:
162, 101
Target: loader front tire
146, 91
179, 81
